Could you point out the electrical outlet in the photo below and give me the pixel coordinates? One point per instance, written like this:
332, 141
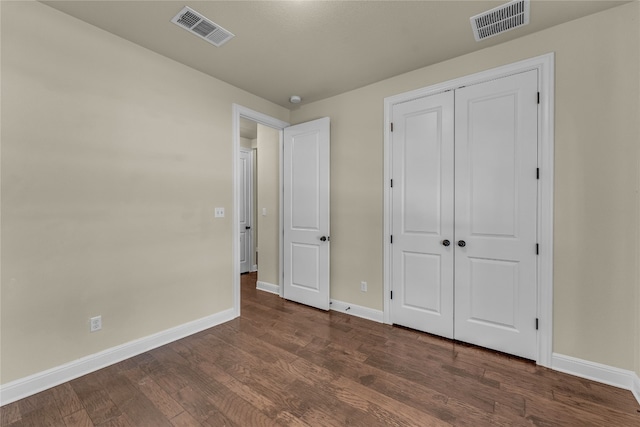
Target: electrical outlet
95, 323
363, 286
219, 212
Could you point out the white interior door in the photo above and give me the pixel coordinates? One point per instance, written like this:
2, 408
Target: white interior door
245, 171
306, 213
464, 169
422, 216
496, 127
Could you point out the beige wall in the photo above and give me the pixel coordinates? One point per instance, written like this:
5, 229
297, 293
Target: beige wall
254, 147
596, 178
269, 198
245, 143
638, 236
113, 159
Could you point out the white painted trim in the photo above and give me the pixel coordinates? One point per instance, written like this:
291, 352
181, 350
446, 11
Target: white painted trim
239, 111
605, 374
254, 268
546, 131
281, 213
635, 388
357, 310
36, 383
268, 287
545, 66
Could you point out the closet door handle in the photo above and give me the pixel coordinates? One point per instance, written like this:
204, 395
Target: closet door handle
445, 242
462, 243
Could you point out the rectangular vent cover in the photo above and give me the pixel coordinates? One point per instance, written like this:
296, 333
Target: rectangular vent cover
500, 19
202, 27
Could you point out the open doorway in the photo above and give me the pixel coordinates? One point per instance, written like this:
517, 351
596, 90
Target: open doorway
247, 199
259, 203
257, 148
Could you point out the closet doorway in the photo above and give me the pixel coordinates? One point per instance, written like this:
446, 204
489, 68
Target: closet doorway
464, 213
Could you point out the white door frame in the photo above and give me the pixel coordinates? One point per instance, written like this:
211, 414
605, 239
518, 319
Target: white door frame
239, 111
545, 66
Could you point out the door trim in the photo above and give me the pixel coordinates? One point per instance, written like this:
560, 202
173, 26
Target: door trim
239, 111
545, 66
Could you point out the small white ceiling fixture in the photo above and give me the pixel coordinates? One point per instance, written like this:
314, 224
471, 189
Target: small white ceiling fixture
295, 99
202, 27
500, 19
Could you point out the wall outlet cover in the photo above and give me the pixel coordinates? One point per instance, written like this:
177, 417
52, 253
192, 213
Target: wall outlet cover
95, 323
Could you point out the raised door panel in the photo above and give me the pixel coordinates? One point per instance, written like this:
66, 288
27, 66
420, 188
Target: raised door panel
422, 214
495, 214
306, 213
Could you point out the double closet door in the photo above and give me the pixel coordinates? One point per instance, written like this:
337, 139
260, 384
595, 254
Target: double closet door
464, 214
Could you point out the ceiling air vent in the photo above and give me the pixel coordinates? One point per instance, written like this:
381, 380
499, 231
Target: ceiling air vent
202, 27
500, 19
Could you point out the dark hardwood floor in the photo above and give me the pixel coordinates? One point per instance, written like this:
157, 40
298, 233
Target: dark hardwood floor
285, 364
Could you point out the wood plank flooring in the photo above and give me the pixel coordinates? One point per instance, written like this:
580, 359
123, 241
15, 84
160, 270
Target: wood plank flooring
285, 364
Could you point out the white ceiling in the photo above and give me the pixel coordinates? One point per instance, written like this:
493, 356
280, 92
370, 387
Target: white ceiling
314, 49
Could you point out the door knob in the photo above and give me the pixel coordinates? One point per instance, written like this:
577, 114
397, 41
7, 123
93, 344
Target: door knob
247, 228
445, 242
462, 243
323, 239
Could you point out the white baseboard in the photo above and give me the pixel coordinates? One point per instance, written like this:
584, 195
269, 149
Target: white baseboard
268, 287
254, 268
605, 374
357, 310
21, 388
636, 387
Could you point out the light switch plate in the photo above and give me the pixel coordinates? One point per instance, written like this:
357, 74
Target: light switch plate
219, 212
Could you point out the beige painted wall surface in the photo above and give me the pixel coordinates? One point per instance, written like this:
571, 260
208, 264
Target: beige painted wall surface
596, 178
269, 198
637, 340
113, 159
245, 142
254, 147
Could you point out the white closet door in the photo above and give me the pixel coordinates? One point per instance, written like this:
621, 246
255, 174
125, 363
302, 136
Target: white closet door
422, 216
495, 214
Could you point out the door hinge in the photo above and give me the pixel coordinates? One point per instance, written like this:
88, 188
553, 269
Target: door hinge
391, 238
391, 126
391, 294
538, 97
537, 173
537, 249
537, 323
391, 183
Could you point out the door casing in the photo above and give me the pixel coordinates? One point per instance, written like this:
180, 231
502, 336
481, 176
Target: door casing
545, 66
